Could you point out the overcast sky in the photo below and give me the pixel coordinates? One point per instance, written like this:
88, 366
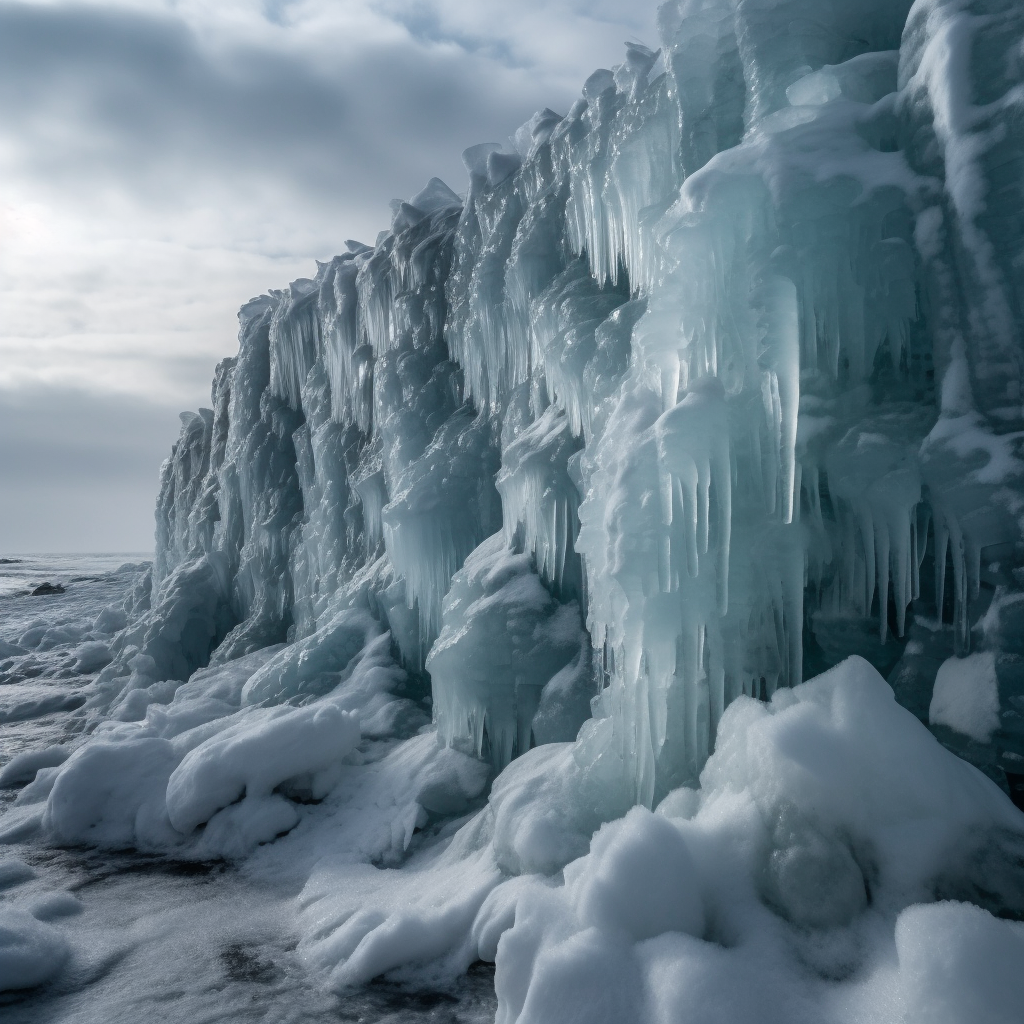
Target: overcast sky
161, 161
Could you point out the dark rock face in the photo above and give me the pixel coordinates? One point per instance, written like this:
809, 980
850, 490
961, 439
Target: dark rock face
46, 589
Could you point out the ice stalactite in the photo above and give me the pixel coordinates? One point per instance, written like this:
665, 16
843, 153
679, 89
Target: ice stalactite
540, 500
514, 659
728, 353
348, 359
445, 507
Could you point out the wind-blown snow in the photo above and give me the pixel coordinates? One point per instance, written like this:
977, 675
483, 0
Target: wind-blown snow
698, 390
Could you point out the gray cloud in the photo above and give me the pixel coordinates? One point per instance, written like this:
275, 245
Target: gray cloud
79, 471
95, 95
163, 160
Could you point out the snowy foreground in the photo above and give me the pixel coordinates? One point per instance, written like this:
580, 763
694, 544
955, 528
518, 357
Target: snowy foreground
484, 596
835, 864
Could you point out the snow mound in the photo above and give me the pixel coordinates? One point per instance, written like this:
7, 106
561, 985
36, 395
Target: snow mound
959, 963
205, 758
31, 952
966, 696
24, 766
820, 819
256, 755
828, 825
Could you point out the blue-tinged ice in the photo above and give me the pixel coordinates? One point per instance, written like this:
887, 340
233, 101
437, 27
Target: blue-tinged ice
729, 351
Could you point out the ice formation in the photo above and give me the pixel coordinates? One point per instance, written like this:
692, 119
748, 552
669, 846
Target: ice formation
698, 390
731, 352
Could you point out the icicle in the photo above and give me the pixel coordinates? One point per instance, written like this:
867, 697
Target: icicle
782, 342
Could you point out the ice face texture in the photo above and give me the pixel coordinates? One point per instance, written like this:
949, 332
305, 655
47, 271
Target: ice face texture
696, 390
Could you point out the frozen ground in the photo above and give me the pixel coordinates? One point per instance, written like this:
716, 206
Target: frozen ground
835, 863
46, 675
130, 937
188, 944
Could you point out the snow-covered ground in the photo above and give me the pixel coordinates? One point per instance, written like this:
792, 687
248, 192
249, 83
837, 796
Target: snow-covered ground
92, 935
835, 863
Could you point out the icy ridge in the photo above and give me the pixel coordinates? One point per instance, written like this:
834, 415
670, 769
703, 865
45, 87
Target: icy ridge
732, 350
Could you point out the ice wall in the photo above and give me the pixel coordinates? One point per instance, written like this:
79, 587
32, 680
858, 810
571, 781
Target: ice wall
726, 361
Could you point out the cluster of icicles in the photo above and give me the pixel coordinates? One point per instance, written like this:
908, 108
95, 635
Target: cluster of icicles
679, 345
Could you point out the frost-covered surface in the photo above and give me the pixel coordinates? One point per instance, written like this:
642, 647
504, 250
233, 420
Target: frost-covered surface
697, 391
966, 696
91, 933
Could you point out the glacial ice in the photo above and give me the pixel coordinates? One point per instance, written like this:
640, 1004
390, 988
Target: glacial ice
690, 371
485, 592
512, 662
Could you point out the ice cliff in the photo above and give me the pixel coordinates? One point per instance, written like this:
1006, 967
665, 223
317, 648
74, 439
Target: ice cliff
723, 366
696, 391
